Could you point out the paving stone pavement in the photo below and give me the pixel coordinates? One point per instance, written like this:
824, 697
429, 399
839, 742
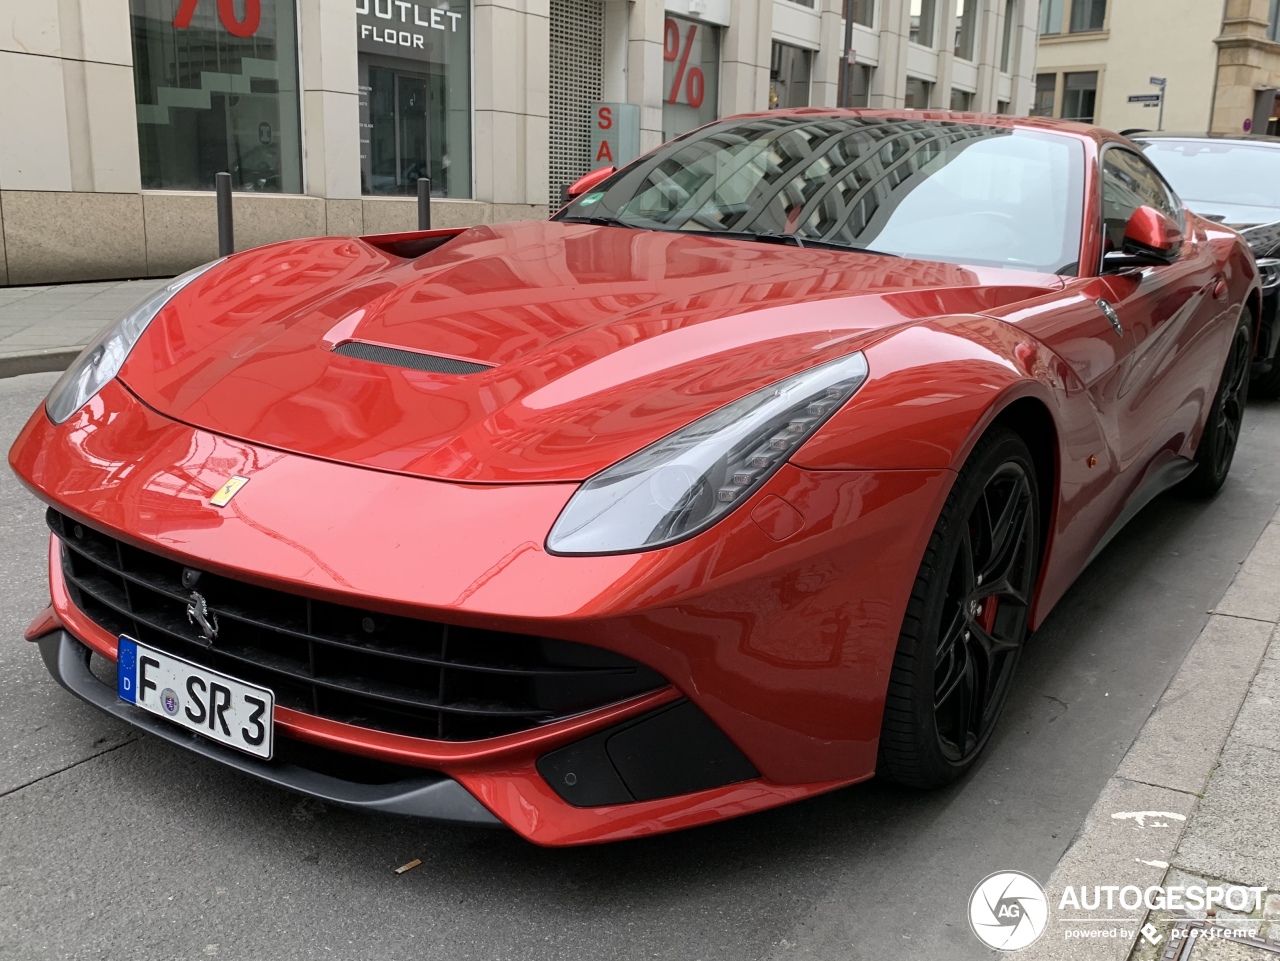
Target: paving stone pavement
1195, 802
35, 320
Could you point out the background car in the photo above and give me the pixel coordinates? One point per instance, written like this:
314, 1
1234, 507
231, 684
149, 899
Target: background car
744, 477
1234, 180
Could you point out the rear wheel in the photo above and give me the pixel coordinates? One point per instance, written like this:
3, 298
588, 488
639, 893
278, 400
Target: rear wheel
1222, 426
967, 619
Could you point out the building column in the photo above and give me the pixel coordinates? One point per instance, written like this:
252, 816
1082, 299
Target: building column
988, 45
1023, 59
330, 101
644, 67
889, 82
511, 98
826, 63
745, 57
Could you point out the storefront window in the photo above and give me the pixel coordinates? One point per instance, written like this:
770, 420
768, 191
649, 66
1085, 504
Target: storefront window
415, 96
690, 75
217, 90
1046, 86
918, 93
789, 76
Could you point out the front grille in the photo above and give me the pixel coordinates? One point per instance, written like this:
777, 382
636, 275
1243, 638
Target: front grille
375, 670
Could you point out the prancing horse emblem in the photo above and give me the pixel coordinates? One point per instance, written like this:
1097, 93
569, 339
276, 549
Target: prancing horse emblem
198, 613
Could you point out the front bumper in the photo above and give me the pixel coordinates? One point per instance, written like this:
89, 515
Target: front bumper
779, 624
420, 794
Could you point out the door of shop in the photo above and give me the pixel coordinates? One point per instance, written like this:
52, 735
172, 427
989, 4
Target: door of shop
400, 134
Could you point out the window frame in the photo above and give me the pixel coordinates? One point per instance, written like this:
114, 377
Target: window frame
1065, 30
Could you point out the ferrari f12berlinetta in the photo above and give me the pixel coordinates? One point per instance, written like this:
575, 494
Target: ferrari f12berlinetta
742, 478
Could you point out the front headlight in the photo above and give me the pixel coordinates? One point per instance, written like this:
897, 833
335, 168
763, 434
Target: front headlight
688, 480
103, 358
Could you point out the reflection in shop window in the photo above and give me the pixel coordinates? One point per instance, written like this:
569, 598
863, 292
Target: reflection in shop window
690, 75
1046, 85
860, 93
923, 29
1088, 15
1079, 91
217, 90
966, 28
918, 92
1051, 16
789, 71
415, 96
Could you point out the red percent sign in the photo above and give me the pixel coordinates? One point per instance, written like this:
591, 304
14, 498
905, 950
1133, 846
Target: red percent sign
227, 14
674, 48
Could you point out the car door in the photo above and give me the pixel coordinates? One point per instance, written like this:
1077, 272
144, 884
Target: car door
1156, 312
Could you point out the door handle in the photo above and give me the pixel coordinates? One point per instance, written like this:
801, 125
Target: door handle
1220, 289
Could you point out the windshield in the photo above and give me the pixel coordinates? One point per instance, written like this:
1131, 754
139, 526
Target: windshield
1223, 173
932, 190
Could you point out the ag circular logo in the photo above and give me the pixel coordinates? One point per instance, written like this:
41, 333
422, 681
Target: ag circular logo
169, 701
1008, 910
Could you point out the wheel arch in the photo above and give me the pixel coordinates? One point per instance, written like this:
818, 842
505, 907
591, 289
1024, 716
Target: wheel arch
1030, 418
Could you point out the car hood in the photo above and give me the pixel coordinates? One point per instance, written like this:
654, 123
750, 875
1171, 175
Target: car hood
595, 341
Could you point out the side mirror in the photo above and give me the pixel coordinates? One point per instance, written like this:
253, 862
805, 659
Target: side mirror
1151, 239
587, 181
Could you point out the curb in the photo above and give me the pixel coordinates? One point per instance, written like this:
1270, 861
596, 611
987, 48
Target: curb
38, 361
1133, 830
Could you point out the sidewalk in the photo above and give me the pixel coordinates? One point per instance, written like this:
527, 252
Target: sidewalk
43, 328
1194, 803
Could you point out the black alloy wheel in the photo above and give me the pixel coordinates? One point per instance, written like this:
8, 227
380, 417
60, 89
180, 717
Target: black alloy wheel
967, 619
1226, 415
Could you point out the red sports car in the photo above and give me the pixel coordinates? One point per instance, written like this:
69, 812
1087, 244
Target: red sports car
742, 478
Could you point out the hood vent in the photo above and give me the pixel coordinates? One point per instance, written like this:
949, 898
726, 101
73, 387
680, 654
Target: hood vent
409, 359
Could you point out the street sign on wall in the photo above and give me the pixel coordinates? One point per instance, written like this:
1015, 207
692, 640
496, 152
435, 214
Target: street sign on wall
1152, 98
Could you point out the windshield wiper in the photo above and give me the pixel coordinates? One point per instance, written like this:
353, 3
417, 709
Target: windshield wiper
599, 221
795, 240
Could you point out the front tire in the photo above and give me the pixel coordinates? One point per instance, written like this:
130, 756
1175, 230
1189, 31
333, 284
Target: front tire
1226, 414
967, 618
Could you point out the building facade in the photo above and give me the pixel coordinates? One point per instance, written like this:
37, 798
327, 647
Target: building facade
1220, 63
116, 115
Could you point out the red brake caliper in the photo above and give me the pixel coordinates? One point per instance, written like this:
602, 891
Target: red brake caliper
987, 619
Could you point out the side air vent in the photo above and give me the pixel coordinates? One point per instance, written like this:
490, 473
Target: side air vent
411, 359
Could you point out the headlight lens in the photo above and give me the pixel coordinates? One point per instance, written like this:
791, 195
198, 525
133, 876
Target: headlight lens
103, 358
688, 480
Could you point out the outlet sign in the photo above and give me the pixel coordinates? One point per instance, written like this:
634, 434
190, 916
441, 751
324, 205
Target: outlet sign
402, 28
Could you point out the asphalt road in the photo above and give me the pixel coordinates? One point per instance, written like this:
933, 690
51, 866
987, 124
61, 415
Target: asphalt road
117, 846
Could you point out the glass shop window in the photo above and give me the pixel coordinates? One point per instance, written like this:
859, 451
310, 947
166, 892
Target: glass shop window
789, 72
690, 75
415, 96
216, 86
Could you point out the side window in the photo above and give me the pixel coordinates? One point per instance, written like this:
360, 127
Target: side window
1130, 182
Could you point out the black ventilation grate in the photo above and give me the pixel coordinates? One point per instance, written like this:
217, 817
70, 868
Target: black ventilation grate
375, 670
411, 359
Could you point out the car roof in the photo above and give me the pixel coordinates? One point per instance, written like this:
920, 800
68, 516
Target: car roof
949, 116
1260, 139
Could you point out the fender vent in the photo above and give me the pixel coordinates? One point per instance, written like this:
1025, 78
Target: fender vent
411, 359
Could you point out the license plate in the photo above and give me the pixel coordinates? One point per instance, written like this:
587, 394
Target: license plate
219, 707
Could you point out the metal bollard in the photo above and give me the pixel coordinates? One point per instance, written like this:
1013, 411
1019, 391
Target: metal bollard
424, 203
226, 229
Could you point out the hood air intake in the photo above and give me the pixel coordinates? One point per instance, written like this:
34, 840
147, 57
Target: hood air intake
410, 359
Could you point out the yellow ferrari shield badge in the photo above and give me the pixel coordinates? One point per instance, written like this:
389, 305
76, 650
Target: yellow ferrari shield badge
228, 490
